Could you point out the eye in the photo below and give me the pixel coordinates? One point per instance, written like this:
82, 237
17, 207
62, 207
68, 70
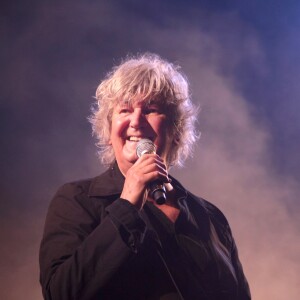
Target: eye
152, 110
124, 110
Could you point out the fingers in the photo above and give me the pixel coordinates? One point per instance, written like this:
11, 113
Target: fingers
148, 168
152, 167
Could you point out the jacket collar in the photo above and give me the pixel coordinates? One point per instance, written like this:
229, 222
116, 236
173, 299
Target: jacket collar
111, 182
107, 184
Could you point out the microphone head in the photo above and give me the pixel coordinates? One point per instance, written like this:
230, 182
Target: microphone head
145, 146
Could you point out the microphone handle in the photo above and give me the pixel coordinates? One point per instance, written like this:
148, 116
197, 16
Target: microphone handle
158, 192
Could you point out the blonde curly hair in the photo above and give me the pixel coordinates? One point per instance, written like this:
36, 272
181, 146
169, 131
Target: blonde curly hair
148, 78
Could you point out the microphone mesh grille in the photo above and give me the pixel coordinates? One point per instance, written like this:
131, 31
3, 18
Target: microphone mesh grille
145, 146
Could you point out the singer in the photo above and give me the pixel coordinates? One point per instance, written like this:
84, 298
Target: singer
108, 237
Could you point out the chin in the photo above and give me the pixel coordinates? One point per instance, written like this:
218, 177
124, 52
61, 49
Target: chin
130, 157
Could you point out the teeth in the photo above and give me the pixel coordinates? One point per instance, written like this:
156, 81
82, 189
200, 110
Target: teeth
137, 138
134, 138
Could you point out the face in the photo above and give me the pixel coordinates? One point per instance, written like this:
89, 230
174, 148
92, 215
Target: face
132, 122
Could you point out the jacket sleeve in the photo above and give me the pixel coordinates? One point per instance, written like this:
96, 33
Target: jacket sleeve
225, 236
243, 287
82, 247
243, 291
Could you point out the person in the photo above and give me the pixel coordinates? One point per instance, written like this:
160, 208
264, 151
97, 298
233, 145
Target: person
105, 237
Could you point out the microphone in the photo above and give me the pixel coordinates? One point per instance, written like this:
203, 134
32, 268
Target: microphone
156, 188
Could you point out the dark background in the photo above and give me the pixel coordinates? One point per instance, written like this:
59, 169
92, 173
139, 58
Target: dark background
242, 60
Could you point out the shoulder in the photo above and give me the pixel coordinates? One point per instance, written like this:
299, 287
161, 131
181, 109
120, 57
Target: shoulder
71, 200
78, 187
213, 212
77, 197
84, 188
200, 204
216, 218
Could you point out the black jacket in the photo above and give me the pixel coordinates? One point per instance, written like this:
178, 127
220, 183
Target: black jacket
98, 246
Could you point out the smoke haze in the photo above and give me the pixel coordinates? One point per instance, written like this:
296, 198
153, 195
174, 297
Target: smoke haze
244, 74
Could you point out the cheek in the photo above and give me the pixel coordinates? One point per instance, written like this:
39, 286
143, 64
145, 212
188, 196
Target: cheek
163, 132
117, 126
163, 127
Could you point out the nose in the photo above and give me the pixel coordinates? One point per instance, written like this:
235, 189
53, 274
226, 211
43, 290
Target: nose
137, 119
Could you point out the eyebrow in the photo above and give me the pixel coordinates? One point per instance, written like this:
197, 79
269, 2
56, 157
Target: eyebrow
152, 102
145, 103
124, 103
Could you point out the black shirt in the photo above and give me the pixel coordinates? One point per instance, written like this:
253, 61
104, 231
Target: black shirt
98, 246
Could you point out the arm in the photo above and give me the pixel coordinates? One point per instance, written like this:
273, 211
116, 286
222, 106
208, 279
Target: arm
85, 243
243, 287
243, 291
81, 251
225, 237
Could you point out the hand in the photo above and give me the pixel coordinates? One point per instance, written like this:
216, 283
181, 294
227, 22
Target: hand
148, 168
